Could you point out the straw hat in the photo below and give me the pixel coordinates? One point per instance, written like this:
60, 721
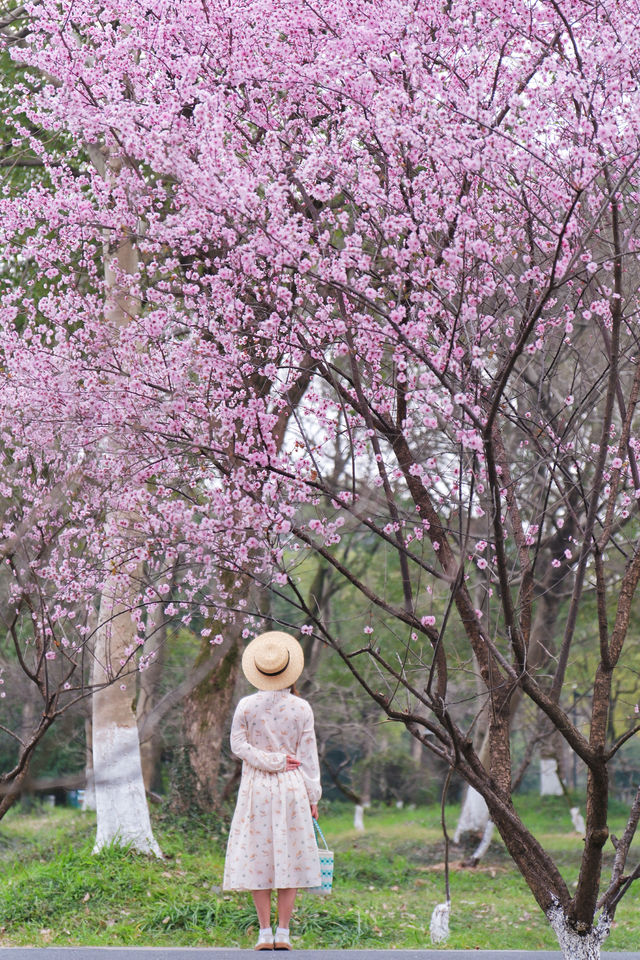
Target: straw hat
273, 661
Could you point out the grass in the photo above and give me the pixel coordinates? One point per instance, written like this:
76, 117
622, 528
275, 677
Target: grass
55, 891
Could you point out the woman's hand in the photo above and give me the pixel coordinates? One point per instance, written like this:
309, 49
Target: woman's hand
314, 810
292, 763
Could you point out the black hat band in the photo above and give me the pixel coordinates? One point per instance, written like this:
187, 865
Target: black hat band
272, 673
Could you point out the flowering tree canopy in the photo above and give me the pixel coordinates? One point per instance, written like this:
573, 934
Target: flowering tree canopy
414, 226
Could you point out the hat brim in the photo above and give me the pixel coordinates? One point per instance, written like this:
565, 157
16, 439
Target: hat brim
292, 671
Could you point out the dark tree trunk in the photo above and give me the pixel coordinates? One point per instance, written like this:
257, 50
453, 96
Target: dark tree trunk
148, 692
206, 717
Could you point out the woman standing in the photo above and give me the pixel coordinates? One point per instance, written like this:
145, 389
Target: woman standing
271, 842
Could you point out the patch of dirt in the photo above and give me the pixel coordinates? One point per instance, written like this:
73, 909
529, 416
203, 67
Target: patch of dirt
491, 869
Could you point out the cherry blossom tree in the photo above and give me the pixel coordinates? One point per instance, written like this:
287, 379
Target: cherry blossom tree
410, 228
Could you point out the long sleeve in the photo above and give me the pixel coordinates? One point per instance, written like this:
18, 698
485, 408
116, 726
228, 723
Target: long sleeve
308, 756
262, 759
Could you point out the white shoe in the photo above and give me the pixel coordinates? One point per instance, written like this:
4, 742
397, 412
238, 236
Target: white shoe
265, 941
281, 941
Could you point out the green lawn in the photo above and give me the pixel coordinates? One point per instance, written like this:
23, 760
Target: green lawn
387, 882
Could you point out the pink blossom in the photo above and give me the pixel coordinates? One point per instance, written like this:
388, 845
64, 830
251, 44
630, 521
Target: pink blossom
304, 195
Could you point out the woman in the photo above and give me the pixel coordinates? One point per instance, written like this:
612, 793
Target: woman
271, 842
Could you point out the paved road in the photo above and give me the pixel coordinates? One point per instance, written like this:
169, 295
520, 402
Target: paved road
197, 953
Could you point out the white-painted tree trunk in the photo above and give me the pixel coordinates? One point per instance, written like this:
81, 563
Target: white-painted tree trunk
439, 926
485, 843
550, 785
575, 946
121, 802
578, 821
474, 815
358, 818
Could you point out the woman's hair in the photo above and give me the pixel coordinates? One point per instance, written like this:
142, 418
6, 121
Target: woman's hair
293, 689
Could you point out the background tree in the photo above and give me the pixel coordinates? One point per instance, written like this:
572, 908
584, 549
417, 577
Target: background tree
104, 272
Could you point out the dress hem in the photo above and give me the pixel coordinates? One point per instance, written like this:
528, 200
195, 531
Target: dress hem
308, 886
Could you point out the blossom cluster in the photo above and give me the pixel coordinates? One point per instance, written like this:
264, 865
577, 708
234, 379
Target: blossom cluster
378, 228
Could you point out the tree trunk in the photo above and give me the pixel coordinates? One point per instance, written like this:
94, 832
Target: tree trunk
151, 748
474, 815
121, 803
89, 794
206, 713
550, 785
551, 780
148, 687
574, 945
89, 797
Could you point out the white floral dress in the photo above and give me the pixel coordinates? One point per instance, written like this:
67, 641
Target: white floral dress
272, 843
